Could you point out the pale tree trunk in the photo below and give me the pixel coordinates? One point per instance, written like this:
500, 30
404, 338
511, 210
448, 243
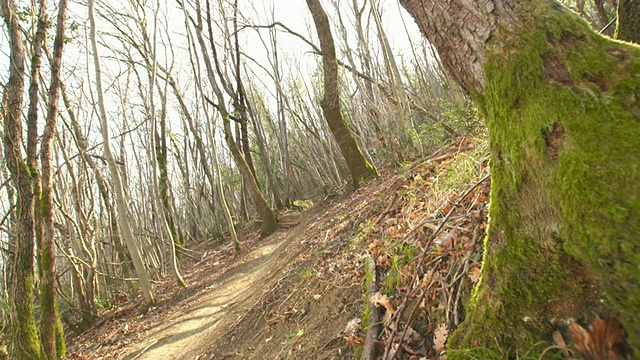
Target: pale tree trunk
147, 49
215, 180
162, 154
123, 219
164, 191
89, 307
165, 212
283, 136
562, 107
103, 188
364, 50
26, 343
51, 332
256, 114
403, 112
83, 284
368, 125
359, 168
240, 102
219, 189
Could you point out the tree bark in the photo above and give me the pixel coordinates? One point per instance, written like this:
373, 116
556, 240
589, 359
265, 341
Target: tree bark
359, 168
123, 219
51, 331
158, 151
26, 343
562, 106
628, 26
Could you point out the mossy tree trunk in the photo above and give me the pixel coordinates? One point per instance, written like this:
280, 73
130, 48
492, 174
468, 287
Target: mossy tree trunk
51, 332
628, 24
359, 168
562, 105
26, 343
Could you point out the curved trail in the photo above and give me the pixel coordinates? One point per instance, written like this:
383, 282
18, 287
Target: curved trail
186, 334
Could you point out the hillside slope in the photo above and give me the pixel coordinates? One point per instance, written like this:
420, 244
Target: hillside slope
293, 294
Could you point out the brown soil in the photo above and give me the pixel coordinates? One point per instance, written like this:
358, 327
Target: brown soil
291, 295
208, 315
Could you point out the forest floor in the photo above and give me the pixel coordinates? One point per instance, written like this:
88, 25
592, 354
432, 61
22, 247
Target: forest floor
301, 293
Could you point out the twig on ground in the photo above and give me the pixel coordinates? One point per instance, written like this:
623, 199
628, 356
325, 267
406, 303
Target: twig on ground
369, 348
145, 349
402, 306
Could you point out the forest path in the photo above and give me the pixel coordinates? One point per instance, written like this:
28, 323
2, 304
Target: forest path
187, 332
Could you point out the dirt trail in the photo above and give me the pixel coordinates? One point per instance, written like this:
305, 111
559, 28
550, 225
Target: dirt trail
184, 335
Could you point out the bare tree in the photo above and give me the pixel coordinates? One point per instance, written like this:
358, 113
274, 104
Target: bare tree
123, 220
360, 169
51, 332
266, 213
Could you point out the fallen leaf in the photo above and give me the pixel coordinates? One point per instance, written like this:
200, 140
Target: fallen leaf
440, 336
603, 341
474, 274
558, 340
444, 238
447, 208
412, 337
383, 262
378, 299
352, 328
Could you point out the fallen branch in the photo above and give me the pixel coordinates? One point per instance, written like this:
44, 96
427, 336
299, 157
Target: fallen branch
369, 348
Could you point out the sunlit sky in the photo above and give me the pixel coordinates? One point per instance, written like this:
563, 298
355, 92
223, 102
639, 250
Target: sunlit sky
292, 13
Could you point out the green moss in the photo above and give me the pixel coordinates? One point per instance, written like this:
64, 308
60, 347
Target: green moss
357, 352
489, 354
368, 172
562, 105
26, 341
269, 226
368, 279
395, 277
61, 345
366, 313
305, 273
32, 171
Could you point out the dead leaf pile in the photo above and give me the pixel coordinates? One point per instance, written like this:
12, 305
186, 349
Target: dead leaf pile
427, 246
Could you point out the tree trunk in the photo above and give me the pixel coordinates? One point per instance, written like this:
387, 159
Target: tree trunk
628, 26
359, 168
123, 218
26, 343
255, 114
266, 213
562, 106
158, 153
215, 180
51, 332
